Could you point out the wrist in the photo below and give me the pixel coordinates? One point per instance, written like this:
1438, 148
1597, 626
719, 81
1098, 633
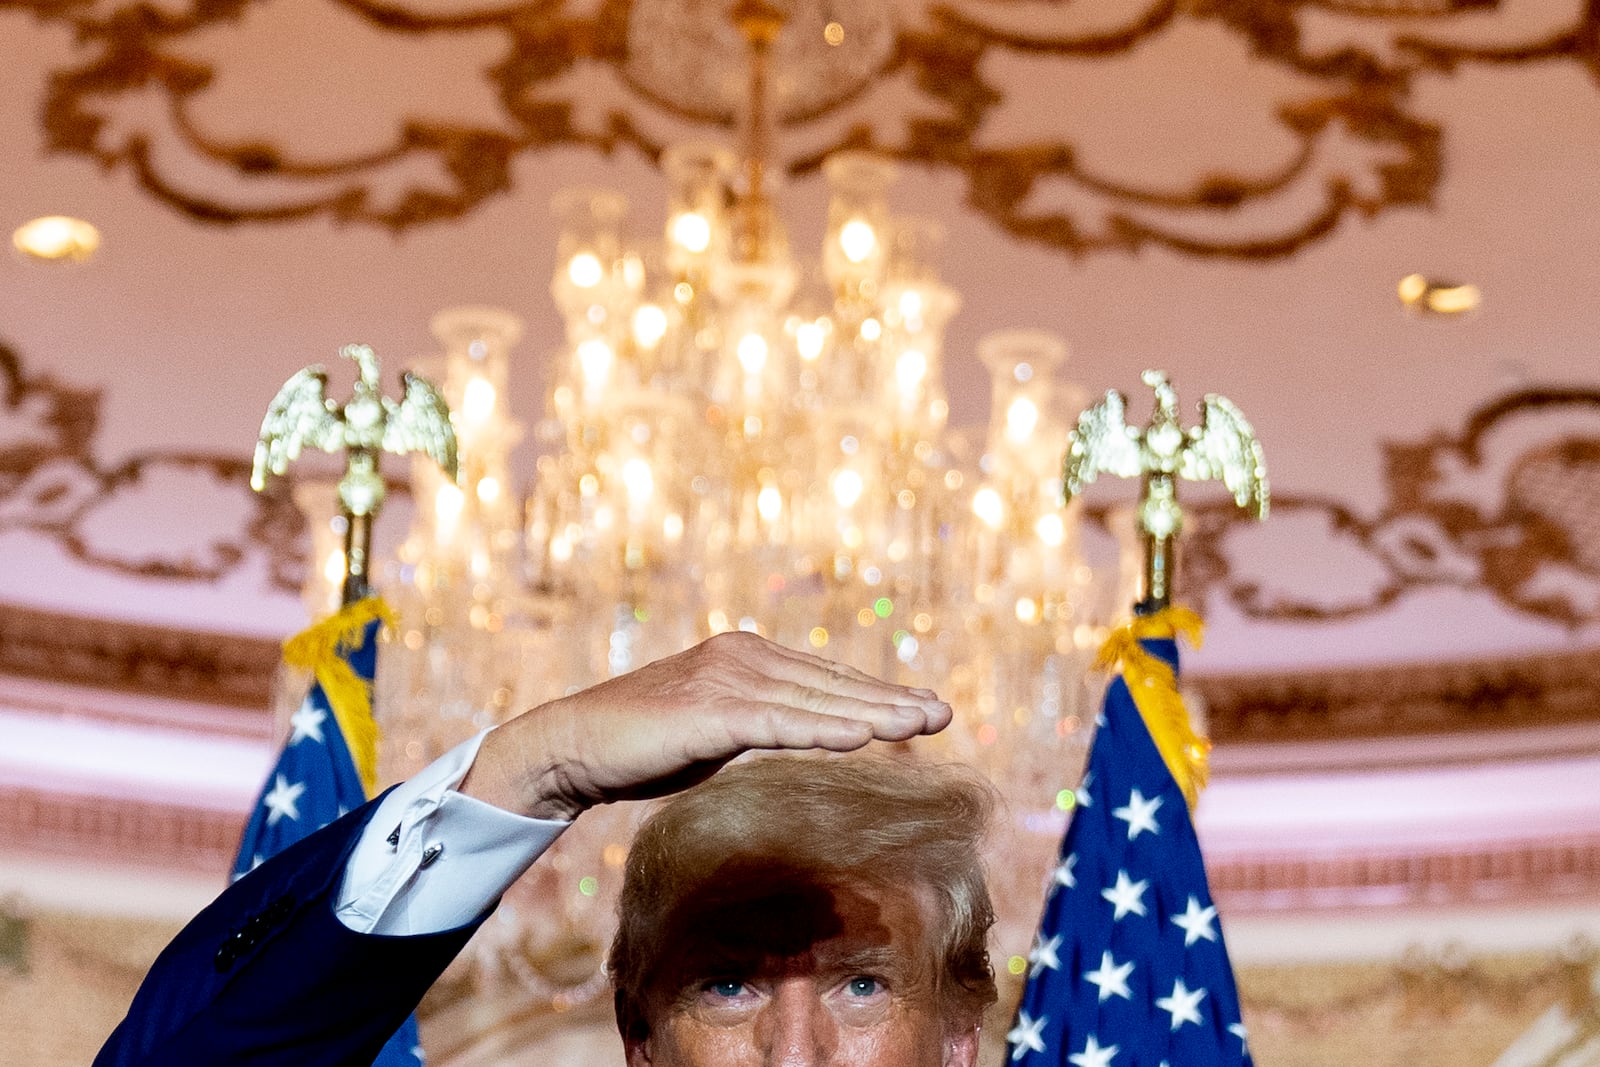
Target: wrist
520, 768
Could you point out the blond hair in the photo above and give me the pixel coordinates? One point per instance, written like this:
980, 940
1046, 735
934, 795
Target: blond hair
862, 820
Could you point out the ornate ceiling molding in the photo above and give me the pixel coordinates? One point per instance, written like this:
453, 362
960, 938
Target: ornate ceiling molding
1505, 507
1321, 92
54, 485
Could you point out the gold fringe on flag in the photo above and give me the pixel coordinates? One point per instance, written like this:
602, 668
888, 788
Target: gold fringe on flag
322, 650
1154, 687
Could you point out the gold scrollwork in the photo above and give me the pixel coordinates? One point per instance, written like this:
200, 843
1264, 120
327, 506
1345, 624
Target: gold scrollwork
1528, 541
52, 484
1045, 189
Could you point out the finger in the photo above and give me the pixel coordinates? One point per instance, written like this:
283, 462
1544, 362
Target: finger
888, 719
834, 677
779, 726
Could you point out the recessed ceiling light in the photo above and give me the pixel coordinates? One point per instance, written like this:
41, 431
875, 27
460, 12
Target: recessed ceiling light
1420, 293
56, 238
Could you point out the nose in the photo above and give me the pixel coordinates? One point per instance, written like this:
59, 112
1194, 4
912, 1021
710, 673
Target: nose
799, 1031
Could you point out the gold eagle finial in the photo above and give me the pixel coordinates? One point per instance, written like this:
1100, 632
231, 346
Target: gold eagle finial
1223, 447
302, 416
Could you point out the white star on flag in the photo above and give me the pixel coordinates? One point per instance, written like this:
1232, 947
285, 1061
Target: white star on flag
1183, 1005
307, 722
1238, 1031
1126, 896
1064, 878
1139, 814
283, 800
1093, 1055
1085, 800
1196, 922
1043, 955
1026, 1036
1111, 978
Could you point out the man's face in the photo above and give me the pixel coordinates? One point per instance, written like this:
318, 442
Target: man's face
796, 975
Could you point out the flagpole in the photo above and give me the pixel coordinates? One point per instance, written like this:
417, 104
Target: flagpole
1129, 968
329, 763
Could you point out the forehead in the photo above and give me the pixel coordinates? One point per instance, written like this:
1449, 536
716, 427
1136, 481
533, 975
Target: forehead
819, 923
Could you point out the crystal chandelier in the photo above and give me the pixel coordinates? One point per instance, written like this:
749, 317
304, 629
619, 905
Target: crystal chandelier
737, 440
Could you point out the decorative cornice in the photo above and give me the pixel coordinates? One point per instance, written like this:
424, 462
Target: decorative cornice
202, 840
156, 661
1394, 701
1493, 872
119, 830
1357, 702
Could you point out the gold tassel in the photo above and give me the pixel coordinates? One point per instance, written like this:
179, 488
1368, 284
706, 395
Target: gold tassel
1154, 687
321, 649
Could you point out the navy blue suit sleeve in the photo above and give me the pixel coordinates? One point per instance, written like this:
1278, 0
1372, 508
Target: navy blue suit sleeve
268, 975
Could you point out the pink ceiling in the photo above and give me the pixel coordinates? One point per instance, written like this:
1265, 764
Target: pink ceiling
186, 326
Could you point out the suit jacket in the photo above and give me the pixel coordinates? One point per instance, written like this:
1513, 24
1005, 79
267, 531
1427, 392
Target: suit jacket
268, 975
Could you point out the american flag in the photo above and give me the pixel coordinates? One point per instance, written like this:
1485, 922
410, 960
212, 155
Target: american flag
1129, 967
313, 783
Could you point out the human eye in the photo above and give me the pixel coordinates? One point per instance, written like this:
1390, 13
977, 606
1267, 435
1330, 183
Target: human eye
863, 985
724, 989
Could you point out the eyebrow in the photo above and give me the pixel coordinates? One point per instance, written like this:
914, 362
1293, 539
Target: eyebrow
874, 959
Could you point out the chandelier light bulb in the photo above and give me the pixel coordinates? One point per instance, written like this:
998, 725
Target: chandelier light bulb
809, 337
1021, 417
649, 326
447, 504
639, 480
769, 502
633, 272
986, 504
911, 368
753, 353
585, 270
488, 490
333, 569
692, 231
477, 400
871, 330
911, 303
595, 358
847, 487
1051, 530
857, 240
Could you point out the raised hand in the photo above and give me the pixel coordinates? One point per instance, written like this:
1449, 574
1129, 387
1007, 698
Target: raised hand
678, 720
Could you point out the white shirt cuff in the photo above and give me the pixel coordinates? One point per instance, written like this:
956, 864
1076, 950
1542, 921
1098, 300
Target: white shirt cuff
432, 859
